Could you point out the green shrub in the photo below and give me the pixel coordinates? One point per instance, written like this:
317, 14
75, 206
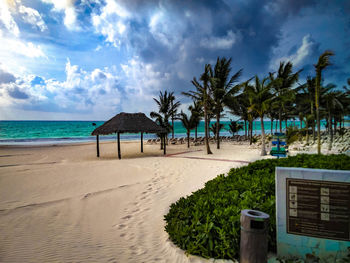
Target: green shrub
207, 223
293, 133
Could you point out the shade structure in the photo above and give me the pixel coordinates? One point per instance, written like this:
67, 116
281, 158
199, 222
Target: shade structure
128, 122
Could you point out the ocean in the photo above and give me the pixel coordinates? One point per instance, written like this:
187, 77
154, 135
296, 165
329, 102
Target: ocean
49, 132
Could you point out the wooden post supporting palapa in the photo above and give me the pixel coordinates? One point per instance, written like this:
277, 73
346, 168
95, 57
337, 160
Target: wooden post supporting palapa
164, 144
142, 142
97, 146
119, 155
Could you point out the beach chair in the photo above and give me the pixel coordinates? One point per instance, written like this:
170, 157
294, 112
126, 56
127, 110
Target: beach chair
279, 145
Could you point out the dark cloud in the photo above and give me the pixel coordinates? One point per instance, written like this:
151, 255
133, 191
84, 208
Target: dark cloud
16, 93
6, 77
160, 44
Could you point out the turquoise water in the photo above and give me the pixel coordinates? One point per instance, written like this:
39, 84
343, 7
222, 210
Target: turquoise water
41, 132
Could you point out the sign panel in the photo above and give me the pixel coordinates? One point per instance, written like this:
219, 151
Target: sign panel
312, 213
318, 208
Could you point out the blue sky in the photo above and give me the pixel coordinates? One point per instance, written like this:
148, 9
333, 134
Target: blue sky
90, 59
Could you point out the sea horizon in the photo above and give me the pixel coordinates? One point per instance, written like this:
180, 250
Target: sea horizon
47, 132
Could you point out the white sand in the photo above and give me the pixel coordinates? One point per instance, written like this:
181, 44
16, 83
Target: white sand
62, 204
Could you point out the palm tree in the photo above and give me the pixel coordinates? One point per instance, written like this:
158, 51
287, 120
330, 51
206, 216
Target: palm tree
310, 87
215, 127
238, 105
322, 63
201, 94
197, 111
222, 88
332, 101
281, 85
174, 106
165, 110
246, 100
260, 98
189, 123
235, 126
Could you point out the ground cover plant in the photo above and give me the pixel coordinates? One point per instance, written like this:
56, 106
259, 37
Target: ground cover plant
207, 223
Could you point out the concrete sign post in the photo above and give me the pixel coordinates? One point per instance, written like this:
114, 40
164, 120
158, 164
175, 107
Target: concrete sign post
313, 213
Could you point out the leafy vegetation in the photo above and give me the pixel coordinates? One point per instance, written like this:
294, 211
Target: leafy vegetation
206, 223
235, 126
293, 134
278, 96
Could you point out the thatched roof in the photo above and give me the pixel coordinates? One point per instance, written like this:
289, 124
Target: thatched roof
129, 122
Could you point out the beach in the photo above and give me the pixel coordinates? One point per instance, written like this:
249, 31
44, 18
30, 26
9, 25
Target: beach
61, 203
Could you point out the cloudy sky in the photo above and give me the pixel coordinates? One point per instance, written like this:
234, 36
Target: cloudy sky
90, 59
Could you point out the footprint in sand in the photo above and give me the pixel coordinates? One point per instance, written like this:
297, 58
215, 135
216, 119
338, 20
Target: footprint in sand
120, 226
127, 217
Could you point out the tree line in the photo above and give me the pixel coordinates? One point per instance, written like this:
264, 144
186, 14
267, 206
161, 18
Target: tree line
278, 96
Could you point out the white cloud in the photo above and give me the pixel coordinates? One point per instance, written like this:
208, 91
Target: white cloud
66, 6
112, 22
32, 17
305, 50
95, 92
70, 18
142, 82
7, 19
165, 30
16, 46
27, 14
225, 42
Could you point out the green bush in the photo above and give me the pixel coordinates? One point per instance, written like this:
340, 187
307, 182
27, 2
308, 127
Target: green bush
293, 133
207, 223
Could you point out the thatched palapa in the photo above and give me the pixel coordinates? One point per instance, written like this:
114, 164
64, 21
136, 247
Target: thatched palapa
128, 122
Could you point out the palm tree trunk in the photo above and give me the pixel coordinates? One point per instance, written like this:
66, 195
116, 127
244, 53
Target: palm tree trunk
280, 119
188, 139
172, 128
276, 125
195, 133
250, 132
286, 122
271, 126
318, 83
218, 130
172, 121
313, 121
263, 150
318, 131
206, 128
245, 129
330, 131
161, 142
307, 131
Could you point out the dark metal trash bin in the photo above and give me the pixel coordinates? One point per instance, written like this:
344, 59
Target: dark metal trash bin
254, 232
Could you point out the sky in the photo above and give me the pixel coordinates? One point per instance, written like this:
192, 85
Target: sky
91, 59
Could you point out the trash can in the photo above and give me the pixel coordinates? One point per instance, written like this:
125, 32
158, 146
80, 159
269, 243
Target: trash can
254, 232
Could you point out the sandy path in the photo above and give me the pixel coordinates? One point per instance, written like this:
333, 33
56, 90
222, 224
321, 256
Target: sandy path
62, 204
